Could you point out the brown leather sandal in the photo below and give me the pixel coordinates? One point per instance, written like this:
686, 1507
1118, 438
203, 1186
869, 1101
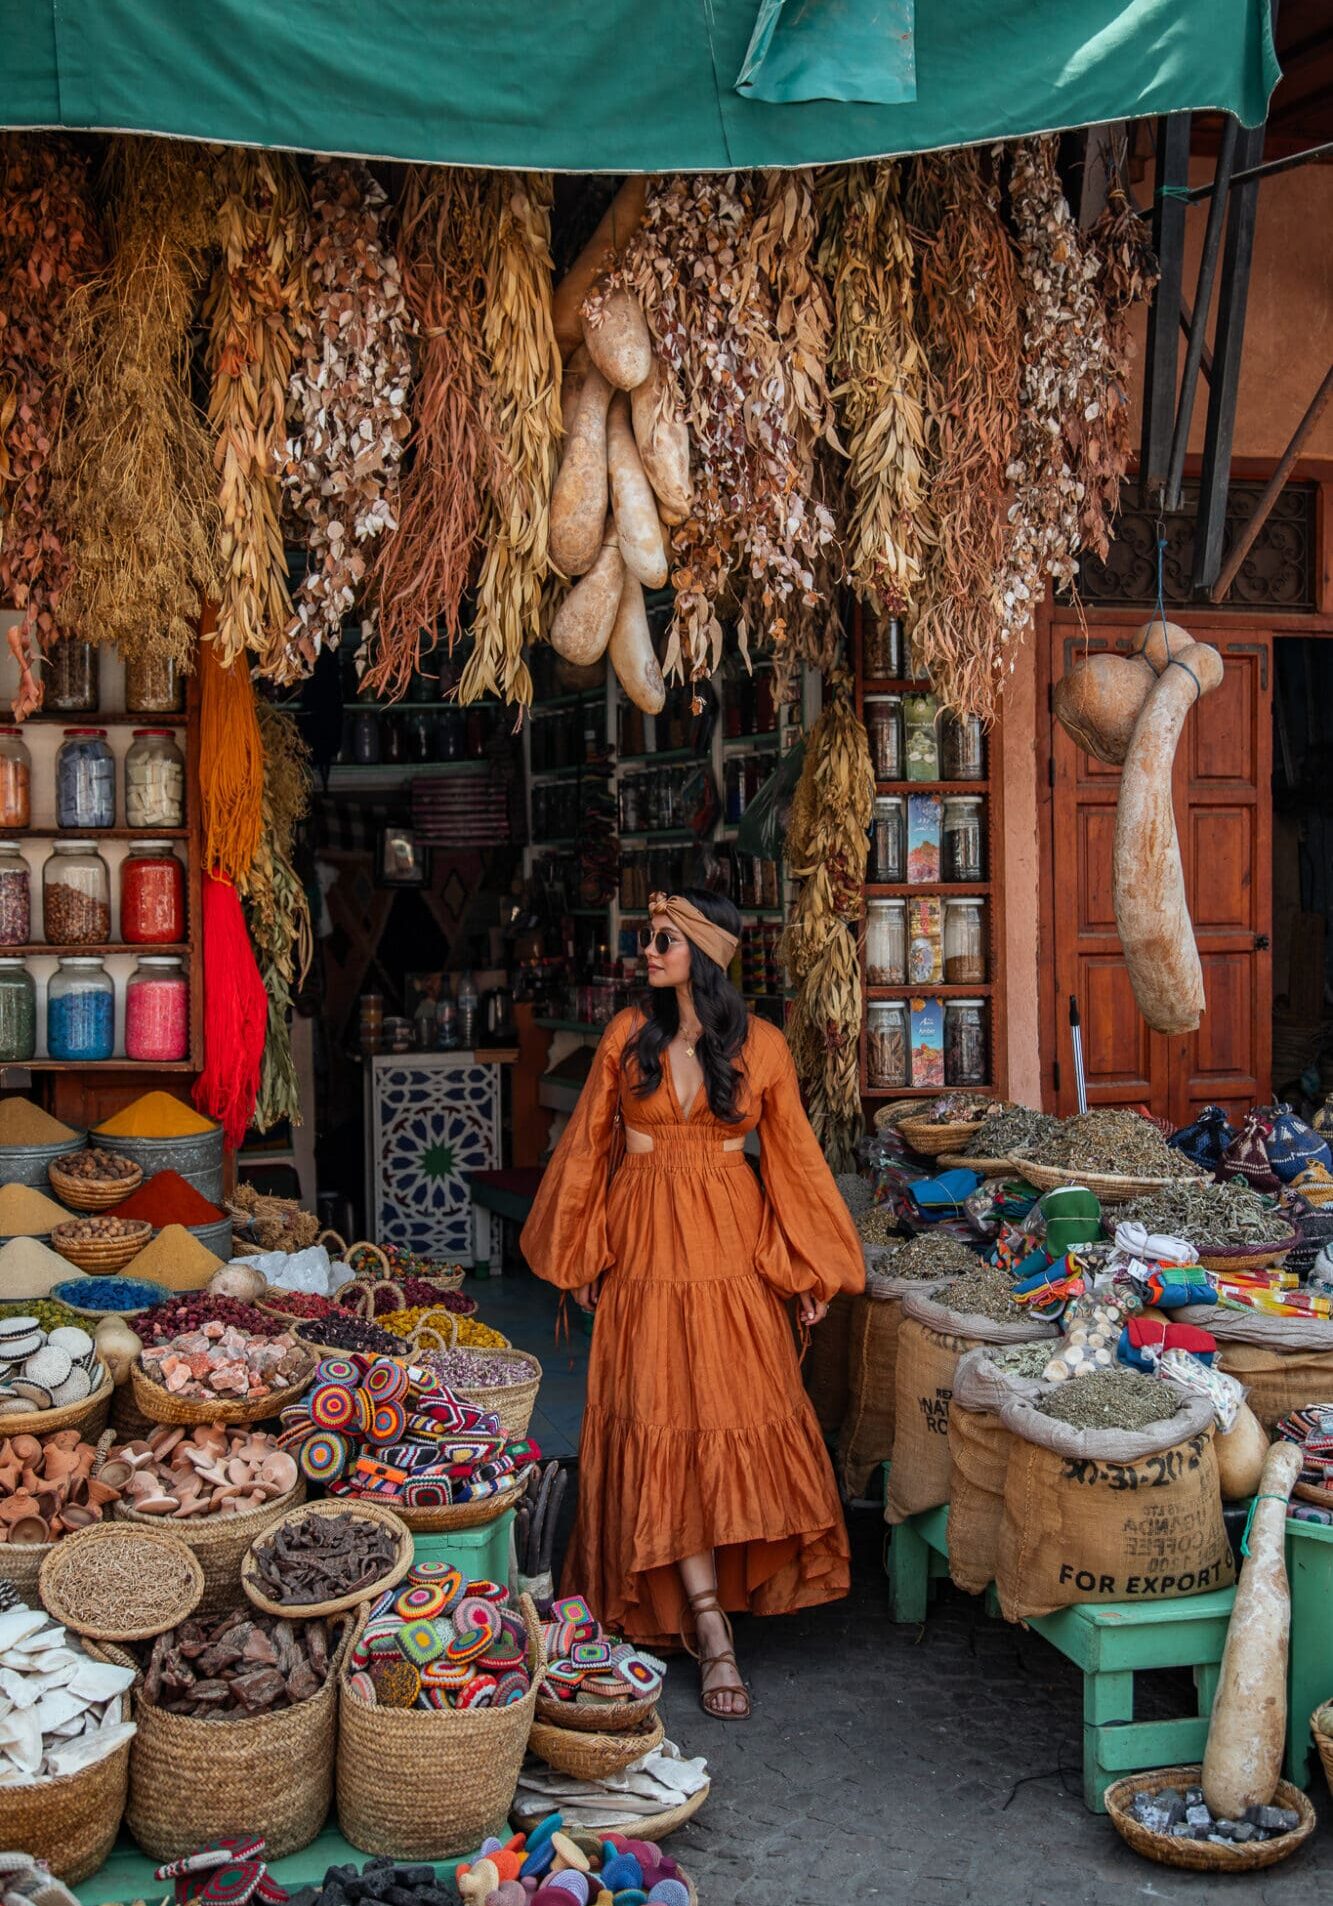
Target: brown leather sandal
710, 1605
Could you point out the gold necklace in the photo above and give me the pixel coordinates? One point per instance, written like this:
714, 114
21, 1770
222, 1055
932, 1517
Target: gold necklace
688, 1041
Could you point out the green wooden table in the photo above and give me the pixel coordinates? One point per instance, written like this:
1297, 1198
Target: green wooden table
128, 1873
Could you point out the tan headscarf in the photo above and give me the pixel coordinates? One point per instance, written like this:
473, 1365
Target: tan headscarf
715, 941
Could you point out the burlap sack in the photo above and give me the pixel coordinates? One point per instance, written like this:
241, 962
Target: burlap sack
978, 1463
865, 1436
1284, 1362
1109, 1515
825, 1366
930, 1341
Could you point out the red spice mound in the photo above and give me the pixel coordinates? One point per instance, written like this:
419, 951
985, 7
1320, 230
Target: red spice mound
167, 1198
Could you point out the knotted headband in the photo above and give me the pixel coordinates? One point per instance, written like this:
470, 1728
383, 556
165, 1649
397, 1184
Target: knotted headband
715, 941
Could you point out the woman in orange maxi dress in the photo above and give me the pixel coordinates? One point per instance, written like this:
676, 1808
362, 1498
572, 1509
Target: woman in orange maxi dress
704, 1484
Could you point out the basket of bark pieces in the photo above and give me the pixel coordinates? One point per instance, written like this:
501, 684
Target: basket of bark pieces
238, 1718
325, 1557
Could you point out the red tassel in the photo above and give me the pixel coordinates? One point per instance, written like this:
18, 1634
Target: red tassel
235, 1014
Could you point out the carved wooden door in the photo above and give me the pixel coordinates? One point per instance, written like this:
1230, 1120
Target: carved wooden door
1221, 788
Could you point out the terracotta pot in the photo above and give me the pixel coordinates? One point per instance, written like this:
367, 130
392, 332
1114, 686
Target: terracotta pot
99, 1492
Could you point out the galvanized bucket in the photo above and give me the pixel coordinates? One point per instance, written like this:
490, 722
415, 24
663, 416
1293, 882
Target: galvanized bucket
29, 1164
197, 1158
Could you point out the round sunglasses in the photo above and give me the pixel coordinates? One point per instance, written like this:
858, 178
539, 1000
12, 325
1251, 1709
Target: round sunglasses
663, 941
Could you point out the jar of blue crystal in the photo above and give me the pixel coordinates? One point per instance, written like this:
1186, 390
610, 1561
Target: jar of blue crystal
81, 1011
85, 780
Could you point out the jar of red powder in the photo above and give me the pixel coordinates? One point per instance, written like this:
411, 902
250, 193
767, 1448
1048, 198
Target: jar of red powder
152, 895
157, 1010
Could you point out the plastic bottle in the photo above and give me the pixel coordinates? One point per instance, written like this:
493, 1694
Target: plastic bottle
467, 1011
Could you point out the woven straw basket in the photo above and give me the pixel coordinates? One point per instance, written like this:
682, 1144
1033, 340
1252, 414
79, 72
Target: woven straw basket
343, 1506
933, 1140
445, 1518
1254, 1257
988, 1167
21, 1562
1201, 1856
1110, 1187
594, 1756
71, 1822
100, 1257
89, 1417
75, 1589
1324, 1742
160, 1406
424, 1784
219, 1543
192, 1781
513, 1403
594, 1717
653, 1826
92, 1194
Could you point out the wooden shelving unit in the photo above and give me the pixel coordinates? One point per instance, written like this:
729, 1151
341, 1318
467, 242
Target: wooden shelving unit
991, 890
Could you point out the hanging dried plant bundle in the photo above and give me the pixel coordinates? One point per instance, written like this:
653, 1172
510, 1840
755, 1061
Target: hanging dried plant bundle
347, 404
251, 344
524, 361
422, 571
49, 244
830, 813
277, 912
1127, 274
231, 761
1066, 375
866, 254
966, 635
133, 474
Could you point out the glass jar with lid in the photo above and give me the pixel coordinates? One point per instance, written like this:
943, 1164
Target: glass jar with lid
157, 1010
153, 684
886, 942
85, 780
15, 779
884, 728
962, 849
882, 656
888, 840
154, 780
69, 677
922, 744
152, 895
962, 748
886, 1044
15, 896
964, 943
81, 1011
18, 1012
965, 1061
76, 895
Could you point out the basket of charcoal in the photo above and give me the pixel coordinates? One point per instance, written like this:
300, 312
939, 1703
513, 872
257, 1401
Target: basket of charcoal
238, 1720
1164, 1816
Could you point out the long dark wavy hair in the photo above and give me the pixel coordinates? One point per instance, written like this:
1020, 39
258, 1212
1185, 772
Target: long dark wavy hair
724, 1019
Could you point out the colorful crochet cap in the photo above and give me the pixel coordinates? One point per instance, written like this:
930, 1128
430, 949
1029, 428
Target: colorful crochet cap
343, 1370
333, 1406
323, 1456
421, 1601
388, 1423
397, 1683
421, 1642
386, 1381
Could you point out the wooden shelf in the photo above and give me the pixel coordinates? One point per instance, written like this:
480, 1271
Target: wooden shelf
899, 687
94, 833
179, 949
102, 1065
663, 757
922, 1091
930, 989
665, 834
766, 738
944, 889
932, 787
121, 720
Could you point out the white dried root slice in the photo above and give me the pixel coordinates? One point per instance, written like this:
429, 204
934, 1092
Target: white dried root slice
1151, 912
584, 620
616, 334
632, 654
663, 439
633, 504
578, 500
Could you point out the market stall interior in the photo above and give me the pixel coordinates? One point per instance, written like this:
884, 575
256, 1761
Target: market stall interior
408, 570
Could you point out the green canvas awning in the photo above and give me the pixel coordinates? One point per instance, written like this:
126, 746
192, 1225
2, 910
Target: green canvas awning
617, 85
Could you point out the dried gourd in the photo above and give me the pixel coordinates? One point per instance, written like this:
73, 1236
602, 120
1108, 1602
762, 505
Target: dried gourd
615, 332
632, 654
663, 440
582, 624
633, 503
578, 501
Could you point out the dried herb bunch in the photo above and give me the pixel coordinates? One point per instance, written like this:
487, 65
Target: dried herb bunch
524, 362
277, 912
866, 253
133, 474
422, 571
49, 244
966, 635
1127, 274
1066, 374
251, 344
347, 403
826, 834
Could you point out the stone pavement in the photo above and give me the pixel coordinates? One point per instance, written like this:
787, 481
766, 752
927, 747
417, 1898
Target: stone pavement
931, 1767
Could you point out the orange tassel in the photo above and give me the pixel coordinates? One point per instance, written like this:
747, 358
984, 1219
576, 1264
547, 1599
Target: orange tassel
231, 761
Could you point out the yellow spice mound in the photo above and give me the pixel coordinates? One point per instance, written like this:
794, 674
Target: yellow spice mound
26, 1212
175, 1259
156, 1115
23, 1123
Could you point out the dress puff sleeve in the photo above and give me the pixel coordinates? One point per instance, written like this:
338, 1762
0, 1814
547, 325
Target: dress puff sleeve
564, 1239
808, 1241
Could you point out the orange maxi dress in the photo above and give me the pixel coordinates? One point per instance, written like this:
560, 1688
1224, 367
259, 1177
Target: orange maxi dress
697, 1431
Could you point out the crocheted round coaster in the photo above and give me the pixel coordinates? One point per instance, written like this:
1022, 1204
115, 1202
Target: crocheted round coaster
397, 1683
503, 1652
233, 1884
338, 1370
386, 1381
323, 1456
333, 1406
421, 1602
442, 1673
510, 1687
440, 1574
489, 1591
467, 1647
361, 1684
479, 1692
421, 1641
474, 1616
388, 1423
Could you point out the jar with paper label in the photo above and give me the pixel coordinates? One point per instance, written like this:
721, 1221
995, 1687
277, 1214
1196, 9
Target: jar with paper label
15, 779
922, 745
152, 895
965, 1061
157, 1010
18, 1013
884, 727
154, 780
886, 942
888, 841
15, 896
964, 943
81, 1011
886, 1044
962, 850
